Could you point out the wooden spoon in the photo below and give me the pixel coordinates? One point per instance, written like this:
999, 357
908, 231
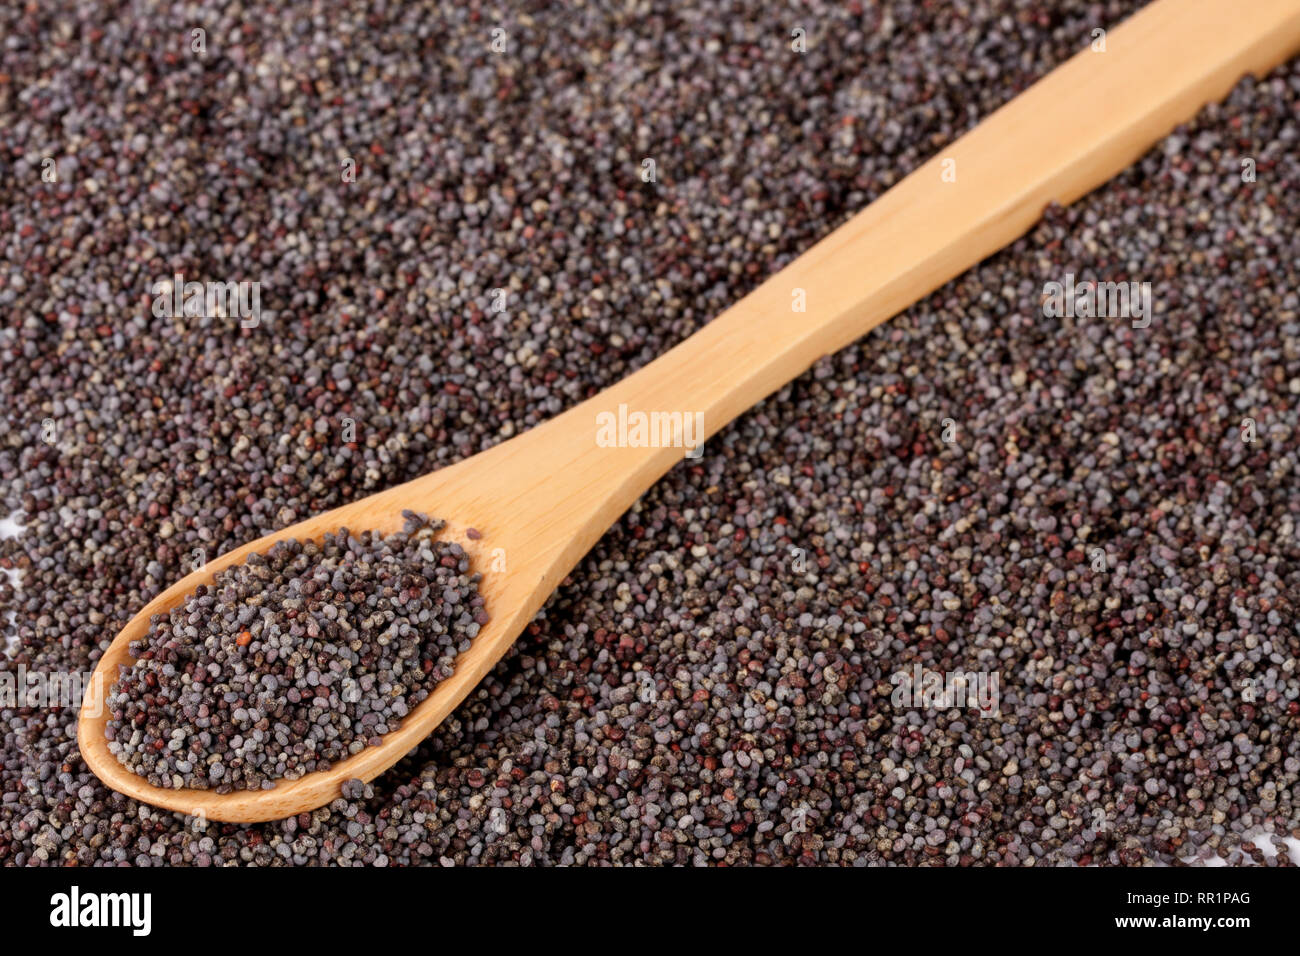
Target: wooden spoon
542, 499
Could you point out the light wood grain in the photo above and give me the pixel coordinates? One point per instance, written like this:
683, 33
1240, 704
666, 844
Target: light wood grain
546, 496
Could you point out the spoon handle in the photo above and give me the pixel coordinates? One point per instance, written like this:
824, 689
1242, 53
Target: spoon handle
1073, 130
1079, 126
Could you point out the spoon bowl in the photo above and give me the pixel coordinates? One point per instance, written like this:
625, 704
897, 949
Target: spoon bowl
520, 565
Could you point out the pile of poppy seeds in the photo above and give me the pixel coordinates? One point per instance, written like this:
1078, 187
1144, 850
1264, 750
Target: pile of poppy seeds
1104, 532
295, 659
